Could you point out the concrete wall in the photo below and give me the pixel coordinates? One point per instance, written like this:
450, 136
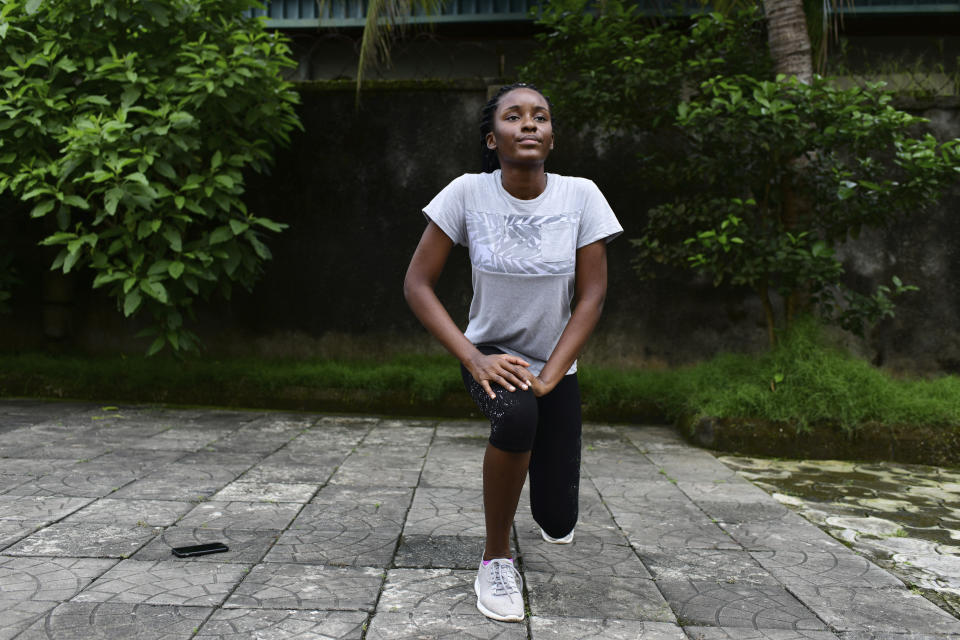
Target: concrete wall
351, 187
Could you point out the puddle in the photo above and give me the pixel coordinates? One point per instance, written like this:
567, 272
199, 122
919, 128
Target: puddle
904, 517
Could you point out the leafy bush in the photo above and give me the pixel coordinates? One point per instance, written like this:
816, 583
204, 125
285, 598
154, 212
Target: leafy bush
776, 174
128, 124
605, 66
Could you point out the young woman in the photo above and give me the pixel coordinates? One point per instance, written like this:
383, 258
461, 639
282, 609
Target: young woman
537, 245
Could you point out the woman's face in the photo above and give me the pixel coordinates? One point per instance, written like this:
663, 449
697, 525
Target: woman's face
522, 129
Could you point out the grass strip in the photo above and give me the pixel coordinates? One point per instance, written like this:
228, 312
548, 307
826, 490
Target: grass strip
805, 381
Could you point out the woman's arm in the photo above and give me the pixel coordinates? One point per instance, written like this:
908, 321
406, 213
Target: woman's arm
590, 290
418, 289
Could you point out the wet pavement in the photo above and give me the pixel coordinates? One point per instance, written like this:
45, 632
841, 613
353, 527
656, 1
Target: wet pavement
903, 517
355, 527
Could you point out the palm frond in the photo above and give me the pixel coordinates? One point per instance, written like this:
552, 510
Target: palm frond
386, 21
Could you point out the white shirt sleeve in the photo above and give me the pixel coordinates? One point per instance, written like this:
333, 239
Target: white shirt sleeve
448, 210
598, 221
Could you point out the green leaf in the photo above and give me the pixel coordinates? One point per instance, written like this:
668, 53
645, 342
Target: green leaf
132, 302
155, 290
175, 269
42, 209
32, 6
76, 201
221, 234
112, 199
238, 227
157, 345
139, 178
172, 237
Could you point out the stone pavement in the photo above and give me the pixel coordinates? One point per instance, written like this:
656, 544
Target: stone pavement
353, 527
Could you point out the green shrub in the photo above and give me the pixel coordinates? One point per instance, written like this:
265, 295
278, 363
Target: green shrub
127, 125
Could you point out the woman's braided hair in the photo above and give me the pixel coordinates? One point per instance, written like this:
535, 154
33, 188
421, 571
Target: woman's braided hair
488, 159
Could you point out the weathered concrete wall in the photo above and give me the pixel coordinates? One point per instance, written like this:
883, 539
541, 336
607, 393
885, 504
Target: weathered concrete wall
351, 187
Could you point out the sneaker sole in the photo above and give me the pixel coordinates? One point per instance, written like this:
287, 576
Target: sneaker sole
567, 539
491, 614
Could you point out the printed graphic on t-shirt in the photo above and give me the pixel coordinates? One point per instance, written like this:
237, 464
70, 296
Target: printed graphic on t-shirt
522, 244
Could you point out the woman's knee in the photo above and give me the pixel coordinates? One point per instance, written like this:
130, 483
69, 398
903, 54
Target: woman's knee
513, 422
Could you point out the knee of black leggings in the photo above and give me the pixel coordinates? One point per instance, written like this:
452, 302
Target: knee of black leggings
515, 428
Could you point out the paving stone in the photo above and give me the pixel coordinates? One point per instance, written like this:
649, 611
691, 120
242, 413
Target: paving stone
742, 633
405, 626
109, 621
47, 579
454, 465
253, 516
864, 635
249, 442
17, 617
33, 467
595, 551
39, 509
347, 515
196, 584
8, 482
581, 596
245, 547
463, 432
684, 528
74, 483
13, 530
789, 532
233, 461
542, 628
623, 463
295, 455
446, 512
705, 564
185, 439
153, 513
876, 610
707, 602
266, 492
344, 546
439, 552
329, 435
301, 586
84, 540
315, 474
735, 489
139, 462
841, 567
429, 593
639, 495
691, 464
178, 482
389, 466
401, 433
29, 587
265, 624
65, 450
370, 500
651, 439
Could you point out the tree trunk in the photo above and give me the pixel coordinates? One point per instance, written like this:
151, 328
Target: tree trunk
788, 38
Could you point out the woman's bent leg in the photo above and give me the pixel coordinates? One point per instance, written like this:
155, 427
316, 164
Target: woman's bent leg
555, 460
513, 422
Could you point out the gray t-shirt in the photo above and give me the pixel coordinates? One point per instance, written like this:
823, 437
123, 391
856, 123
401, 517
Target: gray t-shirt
523, 254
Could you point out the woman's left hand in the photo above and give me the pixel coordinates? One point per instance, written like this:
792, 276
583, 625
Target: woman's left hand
539, 387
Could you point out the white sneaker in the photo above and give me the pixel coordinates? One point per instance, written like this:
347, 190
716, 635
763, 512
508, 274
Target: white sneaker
567, 539
498, 587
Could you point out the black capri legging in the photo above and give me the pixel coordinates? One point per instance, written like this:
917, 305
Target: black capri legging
550, 428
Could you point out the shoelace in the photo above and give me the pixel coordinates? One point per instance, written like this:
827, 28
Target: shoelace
505, 582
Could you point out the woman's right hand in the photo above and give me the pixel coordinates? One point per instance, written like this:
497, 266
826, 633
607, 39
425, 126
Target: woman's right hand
506, 370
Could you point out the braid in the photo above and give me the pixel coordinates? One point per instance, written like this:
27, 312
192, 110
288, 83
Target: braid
488, 158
